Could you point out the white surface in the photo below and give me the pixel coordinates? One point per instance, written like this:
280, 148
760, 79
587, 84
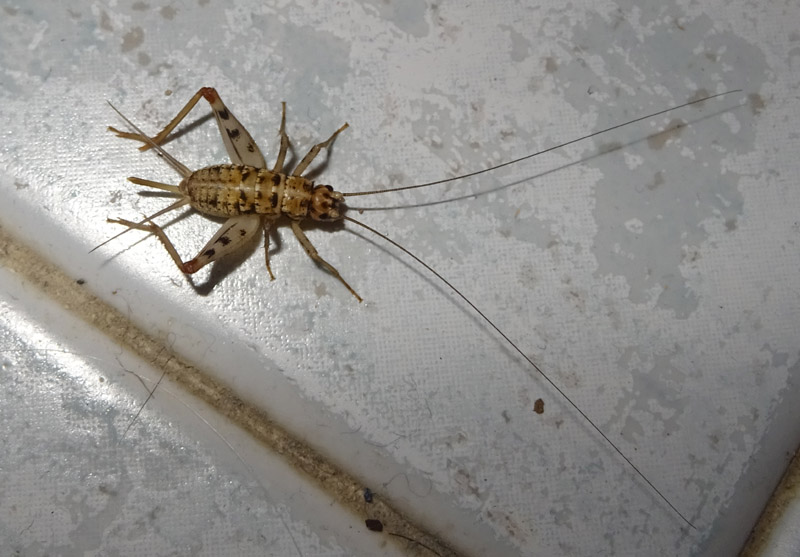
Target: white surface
81, 477
656, 284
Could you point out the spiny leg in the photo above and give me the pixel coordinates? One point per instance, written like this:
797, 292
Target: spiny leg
176, 205
239, 144
312, 253
315, 151
284, 142
156, 185
267, 225
172, 161
232, 235
153, 228
162, 135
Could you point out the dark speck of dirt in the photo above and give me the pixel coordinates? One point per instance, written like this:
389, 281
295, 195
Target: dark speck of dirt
132, 39
105, 22
756, 103
538, 406
658, 179
374, 524
699, 94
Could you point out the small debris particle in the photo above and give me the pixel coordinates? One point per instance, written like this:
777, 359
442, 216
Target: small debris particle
133, 39
538, 406
757, 103
168, 12
374, 524
368, 495
81, 281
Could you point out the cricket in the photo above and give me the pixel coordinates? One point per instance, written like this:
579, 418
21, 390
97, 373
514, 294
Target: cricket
252, 197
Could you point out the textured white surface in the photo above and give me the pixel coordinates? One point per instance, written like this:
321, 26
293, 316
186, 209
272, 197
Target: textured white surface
77, 481
656, 284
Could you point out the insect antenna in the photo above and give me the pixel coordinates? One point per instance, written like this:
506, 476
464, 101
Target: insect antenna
489, 321
533, 364
543, 151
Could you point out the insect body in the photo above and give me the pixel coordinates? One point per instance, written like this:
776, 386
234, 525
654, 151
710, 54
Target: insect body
252, 197
249, 195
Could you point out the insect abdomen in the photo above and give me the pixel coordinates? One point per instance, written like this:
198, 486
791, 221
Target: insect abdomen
228, 190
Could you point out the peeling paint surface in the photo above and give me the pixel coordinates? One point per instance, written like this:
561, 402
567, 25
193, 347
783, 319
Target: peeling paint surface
650, 272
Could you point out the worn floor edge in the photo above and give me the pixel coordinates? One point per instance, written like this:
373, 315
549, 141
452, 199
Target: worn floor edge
764, 531
344, 488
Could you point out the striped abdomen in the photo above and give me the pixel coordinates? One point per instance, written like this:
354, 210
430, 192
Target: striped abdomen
228, 190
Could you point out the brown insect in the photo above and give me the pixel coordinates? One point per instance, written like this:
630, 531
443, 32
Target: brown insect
253, 197
245, 192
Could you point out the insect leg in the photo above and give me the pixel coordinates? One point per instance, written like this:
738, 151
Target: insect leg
232, 235
312, 253
239, 144
153, 228
267, 225
177, 204
298, 171
156, 185
162, 135
284, 142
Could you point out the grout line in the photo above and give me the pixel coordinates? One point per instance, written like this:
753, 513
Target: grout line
345, 488
771, 524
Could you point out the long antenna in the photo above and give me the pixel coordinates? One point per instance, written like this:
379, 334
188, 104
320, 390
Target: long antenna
527, 359
543, 151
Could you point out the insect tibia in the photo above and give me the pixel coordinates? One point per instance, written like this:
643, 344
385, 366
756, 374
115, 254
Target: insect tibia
156, 185
141, 136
